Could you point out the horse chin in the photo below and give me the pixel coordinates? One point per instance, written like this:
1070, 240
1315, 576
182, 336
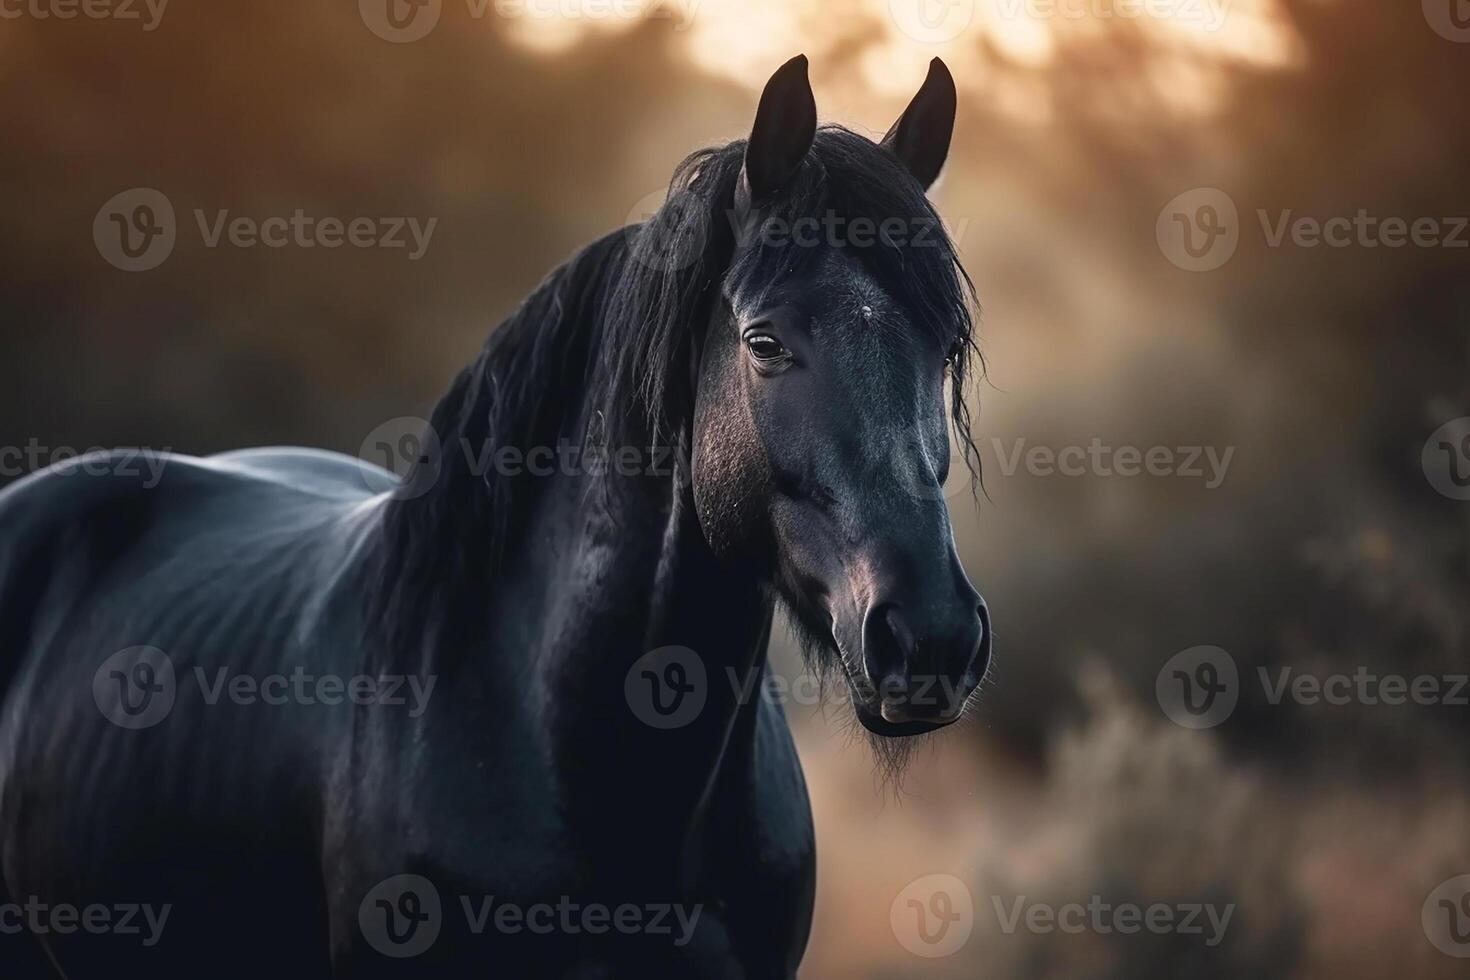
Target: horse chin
878, 725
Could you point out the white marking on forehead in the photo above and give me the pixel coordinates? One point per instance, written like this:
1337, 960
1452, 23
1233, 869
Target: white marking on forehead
851, 280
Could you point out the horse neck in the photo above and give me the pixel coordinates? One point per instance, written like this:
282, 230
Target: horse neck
637, 793
585, 577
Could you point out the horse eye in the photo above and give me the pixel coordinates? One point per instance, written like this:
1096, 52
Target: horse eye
764, 347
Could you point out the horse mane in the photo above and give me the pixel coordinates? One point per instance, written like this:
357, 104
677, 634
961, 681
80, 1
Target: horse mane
602, 351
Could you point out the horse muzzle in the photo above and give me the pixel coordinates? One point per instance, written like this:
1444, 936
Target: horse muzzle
922, 660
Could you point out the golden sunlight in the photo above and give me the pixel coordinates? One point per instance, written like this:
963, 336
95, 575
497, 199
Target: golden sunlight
1177, 50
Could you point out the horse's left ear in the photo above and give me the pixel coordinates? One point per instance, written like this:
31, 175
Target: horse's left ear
920, 138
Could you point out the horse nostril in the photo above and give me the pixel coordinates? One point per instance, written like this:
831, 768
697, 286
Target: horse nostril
887, 646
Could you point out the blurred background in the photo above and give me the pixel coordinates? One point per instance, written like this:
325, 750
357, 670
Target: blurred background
1133, 186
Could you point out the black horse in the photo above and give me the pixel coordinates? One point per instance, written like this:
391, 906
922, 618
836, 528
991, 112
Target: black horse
504, 718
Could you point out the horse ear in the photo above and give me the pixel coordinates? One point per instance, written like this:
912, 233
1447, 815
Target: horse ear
920, 138
785, 124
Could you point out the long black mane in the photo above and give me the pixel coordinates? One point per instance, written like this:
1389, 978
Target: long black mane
601, 352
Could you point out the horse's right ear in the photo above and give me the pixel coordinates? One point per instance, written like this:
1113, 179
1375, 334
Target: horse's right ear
785, 125
920, 138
